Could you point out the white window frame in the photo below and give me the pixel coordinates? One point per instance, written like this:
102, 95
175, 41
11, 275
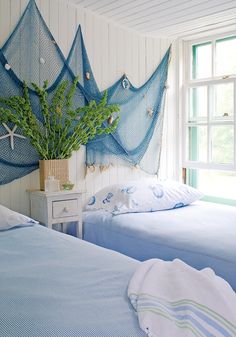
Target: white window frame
192, 83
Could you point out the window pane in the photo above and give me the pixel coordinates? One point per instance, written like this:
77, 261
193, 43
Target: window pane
219, 184
198, 104
222, 138
223, 101
197, 140
225, 60
202, 60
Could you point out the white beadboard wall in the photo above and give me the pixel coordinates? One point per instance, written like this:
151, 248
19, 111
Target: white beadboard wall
113, 51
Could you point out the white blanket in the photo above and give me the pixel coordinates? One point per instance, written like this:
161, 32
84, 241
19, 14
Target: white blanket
173, 299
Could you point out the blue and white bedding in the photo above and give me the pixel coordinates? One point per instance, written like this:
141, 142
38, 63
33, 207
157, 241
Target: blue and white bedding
144, 195
201, 234
53, 285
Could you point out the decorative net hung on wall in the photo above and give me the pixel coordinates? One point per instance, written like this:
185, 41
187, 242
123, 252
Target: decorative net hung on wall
141, 122
31, 54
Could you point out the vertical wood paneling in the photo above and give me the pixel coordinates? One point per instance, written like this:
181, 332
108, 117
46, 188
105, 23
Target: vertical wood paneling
44, 7
71, 26
80, 20
112, 51
23, 4
142, 60
5, 22
15, 9
54, 18
62, 27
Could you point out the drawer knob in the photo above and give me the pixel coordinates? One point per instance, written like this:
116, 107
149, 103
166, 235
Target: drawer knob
65, 210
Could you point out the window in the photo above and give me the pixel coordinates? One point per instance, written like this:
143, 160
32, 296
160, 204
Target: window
210, 117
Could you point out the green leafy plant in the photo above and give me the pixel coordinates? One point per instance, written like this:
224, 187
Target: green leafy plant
62, 129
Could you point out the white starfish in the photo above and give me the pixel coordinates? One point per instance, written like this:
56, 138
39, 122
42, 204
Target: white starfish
11, 134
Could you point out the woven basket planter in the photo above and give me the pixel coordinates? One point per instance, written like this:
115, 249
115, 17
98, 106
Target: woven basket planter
59, 168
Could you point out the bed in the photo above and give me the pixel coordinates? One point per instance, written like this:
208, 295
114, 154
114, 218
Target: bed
54, 285
201, 234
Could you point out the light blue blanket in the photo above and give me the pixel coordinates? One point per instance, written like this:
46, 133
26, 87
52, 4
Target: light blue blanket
53, 285
202, 235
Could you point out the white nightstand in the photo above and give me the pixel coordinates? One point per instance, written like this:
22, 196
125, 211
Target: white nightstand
57, 208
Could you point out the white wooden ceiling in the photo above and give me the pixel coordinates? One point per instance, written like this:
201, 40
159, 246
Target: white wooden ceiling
169, 18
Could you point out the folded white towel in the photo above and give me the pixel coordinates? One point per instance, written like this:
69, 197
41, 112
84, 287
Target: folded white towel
173, 299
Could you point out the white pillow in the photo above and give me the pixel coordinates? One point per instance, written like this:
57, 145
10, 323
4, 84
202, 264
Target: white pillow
10, 219
147, 195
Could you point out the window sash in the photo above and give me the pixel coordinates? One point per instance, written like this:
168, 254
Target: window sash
208, 82
188, 71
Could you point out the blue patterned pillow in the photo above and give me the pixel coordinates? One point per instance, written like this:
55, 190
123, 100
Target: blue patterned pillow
147, 195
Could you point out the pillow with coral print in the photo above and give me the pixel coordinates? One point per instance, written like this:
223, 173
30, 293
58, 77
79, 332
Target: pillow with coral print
145, 195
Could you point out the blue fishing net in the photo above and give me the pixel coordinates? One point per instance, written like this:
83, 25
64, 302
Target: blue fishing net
141, 111
31, 54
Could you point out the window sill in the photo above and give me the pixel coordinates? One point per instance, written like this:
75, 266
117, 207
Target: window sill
217, 200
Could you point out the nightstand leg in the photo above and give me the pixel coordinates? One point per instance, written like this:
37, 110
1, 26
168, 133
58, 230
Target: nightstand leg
80, 226
49, 225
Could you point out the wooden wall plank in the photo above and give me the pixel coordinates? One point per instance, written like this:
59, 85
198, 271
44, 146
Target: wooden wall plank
5, 22
54, 18
44, 7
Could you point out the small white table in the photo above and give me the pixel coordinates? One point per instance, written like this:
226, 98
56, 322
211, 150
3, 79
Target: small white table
57, 208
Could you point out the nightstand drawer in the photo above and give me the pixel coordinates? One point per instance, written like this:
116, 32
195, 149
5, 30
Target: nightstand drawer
64, 208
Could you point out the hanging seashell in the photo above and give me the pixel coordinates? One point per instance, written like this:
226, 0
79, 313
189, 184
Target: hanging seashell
110, 120
91, 168
7, 66
41, 60
103, 168
125, 83
87, 75
150, 112
54, 42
